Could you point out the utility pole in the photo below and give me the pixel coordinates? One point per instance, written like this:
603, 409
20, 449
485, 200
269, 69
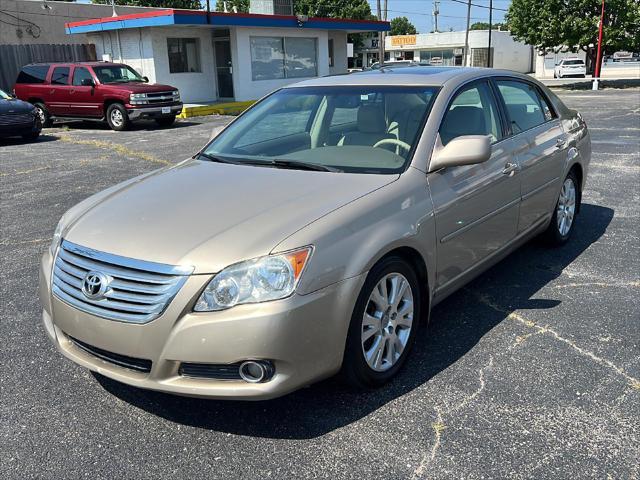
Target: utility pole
113, 8
436, 12
466, 36
596, 72
489, 62
380, 37
208, 11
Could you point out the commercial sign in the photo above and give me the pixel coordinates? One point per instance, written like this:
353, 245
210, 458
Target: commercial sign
402, 40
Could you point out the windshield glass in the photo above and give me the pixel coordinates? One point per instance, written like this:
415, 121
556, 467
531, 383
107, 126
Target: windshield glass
362, 129
4, 96
117, 74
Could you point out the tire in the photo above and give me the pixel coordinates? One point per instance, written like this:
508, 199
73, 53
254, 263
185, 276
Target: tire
554, 75
117, 117
43, 113
375, 338
166, 121
566, 207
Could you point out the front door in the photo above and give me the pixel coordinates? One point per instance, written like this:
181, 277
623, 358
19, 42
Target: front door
224, 68
83, 100
476, 206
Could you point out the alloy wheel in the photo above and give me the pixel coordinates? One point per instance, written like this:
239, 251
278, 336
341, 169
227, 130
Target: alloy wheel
116, 117
41, 115
387, 322
566, 207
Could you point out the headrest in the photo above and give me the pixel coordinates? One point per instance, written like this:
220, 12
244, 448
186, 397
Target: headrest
371, 119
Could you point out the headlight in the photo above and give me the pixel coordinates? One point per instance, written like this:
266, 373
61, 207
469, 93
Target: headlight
176, 95
57, 236
259, 280
138, 99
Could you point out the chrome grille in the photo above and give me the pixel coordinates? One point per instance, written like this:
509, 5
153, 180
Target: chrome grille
160, 97
136, 291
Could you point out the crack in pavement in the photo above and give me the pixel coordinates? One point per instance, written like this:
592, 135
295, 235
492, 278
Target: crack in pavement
439, 426
633, 382
120, 149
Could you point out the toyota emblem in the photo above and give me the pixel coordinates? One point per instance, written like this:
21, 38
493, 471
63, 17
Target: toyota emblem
94, 285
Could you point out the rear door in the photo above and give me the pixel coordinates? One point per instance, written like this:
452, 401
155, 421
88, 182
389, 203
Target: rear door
83, 101
540, 146
476, 206
58, 92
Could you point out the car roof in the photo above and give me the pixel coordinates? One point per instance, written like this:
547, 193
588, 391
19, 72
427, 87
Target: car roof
90, 63
414, 76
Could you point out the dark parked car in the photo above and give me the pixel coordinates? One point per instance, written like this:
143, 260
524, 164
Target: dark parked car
18, 118
96, 91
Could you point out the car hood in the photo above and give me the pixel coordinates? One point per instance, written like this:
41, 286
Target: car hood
13, 105
137, 87
210, 215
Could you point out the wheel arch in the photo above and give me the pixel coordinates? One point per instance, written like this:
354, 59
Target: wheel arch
578, 171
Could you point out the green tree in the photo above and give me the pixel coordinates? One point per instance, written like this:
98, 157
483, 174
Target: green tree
189, 4
241, 5
485, 26
551, 25
402, 26
356, 9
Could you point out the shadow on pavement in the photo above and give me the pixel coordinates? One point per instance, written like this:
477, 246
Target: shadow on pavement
457, 325
21, 141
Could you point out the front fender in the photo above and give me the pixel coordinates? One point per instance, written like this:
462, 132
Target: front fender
350, 240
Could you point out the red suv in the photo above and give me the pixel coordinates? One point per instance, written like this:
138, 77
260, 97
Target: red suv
96, 91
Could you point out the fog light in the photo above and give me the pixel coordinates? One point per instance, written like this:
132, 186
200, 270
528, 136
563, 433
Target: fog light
253, 371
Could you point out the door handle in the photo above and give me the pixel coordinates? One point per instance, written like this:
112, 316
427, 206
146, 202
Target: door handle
560, 142
510, 168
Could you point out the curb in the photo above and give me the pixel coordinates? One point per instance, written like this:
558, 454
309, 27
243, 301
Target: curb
229, 108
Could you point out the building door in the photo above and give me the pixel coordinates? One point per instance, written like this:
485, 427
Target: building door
224, 68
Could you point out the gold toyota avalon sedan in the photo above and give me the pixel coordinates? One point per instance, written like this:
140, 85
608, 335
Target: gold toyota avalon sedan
314, 233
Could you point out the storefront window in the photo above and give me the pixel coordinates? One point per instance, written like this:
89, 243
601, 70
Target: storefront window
184, 55
283, 57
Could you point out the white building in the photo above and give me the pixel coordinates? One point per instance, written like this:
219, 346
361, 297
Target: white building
447, 48
224, 56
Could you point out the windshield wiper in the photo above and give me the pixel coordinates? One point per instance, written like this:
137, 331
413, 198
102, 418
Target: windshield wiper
295, 164
213, 158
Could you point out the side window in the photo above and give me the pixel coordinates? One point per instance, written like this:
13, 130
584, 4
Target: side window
33, 74
60, 76
291, 118
523, 105
473, 111
80, 74
547, 109
342, 116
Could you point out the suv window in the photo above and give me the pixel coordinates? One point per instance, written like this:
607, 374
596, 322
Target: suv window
525, 107
60, 76
80, 74
473, 111
33, 74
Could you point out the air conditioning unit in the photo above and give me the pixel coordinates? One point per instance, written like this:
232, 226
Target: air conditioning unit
271, 7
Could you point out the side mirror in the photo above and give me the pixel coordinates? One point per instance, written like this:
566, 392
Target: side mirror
464, 150
145, 79
88, 82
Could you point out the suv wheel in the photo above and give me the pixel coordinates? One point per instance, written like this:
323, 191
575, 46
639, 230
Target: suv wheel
43, 113
563, 219
117, 117
383, 325
166, 121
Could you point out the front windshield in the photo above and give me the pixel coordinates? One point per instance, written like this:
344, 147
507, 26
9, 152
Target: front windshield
117, 74
4, 96
362, 129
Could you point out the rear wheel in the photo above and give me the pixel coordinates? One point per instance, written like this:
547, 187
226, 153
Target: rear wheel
383, 324
166, 121
43, 114
563, 219
117, 117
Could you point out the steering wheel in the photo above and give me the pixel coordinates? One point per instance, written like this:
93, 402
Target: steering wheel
393, 141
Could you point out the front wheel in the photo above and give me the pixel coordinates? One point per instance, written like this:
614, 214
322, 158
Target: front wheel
166, 121
117, 117
383, 324
43, 115
563, 218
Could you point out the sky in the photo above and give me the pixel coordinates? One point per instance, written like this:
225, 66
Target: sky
453, 13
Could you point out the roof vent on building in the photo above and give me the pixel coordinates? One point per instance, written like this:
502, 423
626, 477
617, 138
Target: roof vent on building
271, 7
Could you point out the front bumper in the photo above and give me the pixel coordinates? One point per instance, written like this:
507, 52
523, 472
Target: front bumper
303, 335
20, 129
137, 112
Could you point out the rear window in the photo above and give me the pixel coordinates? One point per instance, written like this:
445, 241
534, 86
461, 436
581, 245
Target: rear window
33, 74
573, 62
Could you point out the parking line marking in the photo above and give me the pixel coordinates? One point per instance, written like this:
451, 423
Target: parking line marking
118, 148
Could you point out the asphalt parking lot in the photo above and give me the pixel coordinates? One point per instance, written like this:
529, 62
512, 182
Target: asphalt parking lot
531, 371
